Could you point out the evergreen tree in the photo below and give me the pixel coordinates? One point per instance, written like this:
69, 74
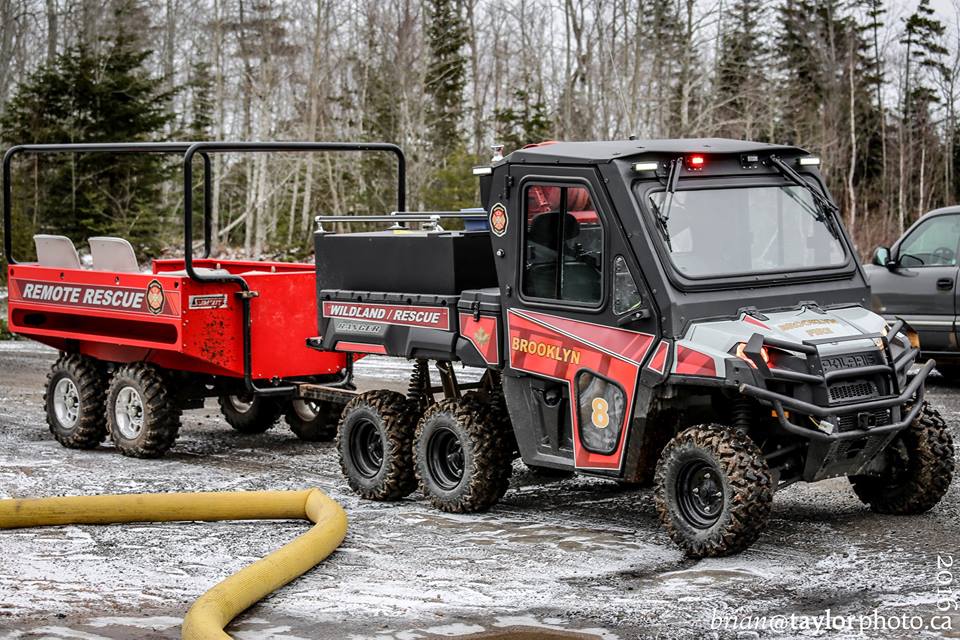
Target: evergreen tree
527, 123
740, 82
446, 74
92, 97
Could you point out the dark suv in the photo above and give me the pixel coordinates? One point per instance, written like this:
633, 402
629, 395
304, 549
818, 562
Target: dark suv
916, 279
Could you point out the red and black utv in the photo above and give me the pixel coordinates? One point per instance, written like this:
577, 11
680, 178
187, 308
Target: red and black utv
686, 312
139, 345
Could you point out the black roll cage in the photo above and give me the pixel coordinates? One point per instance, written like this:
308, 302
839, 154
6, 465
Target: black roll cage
189, 151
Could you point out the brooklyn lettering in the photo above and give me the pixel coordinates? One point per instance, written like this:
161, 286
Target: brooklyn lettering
544, 350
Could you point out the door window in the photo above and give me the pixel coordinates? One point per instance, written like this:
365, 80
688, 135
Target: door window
563, 245
933, 243
626, 295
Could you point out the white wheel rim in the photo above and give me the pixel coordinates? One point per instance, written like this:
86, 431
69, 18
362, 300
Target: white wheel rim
307, 410
128, 409
66, 403
239, 404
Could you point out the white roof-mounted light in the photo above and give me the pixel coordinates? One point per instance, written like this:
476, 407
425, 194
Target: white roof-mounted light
645, 166
482, 171
809, 161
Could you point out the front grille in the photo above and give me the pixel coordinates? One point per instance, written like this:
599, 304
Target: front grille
875, 418
854, 390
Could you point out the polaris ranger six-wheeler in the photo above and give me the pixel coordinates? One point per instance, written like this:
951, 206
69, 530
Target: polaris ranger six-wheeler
683, 311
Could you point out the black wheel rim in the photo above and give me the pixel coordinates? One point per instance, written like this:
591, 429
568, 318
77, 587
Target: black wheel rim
445, 459
366, 448
700, 493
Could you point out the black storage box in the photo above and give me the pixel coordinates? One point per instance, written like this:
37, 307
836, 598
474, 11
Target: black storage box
440, 263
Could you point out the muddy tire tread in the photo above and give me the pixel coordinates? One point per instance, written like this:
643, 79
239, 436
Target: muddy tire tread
161, 412
485, 425
930, 437
751, 499
399, 416
91, 382
261, 417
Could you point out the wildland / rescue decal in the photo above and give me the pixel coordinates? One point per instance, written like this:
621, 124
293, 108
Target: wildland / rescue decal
544, 350
136, 300
403, 315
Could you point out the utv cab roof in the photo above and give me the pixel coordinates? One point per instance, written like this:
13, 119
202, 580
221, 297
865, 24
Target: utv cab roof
606, 151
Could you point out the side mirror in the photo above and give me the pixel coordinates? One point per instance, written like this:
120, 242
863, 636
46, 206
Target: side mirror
881, 257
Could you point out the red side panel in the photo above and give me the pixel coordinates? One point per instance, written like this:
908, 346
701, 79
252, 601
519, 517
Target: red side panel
694, 363
172, 321
559, 348
483, 334
659, 358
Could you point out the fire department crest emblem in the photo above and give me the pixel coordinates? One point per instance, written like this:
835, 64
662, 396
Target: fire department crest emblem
155, 297
498, 220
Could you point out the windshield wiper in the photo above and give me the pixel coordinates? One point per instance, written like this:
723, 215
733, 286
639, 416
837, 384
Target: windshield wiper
822, 201
663, 216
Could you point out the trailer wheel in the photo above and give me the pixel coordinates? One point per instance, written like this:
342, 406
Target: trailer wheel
75, 401
313, 420
463, 455
250, 414
374, 441
918, 472
713, 491
142, 415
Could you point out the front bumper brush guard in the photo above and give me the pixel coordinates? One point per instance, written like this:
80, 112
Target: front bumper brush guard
817, 376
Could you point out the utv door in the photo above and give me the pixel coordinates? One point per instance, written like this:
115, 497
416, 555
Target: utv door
922, 286
578, 325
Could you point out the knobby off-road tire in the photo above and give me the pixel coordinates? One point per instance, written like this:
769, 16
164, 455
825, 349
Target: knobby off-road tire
463, 455
250, 414
75, 398
142, 413
713, 491
919, 468
375, 442
313, 420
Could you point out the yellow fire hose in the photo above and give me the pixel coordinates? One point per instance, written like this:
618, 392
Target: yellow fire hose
217, 607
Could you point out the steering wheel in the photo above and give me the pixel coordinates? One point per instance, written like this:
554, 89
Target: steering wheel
943, 255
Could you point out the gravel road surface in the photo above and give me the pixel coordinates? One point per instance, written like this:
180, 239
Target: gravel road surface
578, 554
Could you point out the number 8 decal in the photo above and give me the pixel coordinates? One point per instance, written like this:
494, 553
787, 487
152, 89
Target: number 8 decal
600, 417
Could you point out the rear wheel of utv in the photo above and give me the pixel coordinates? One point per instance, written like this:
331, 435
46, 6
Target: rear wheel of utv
463, 455
918, 470
713, 491
142, 415
313, 420
374, 440
247, 413
74, 400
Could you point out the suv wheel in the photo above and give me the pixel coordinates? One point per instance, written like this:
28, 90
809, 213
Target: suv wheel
463, 457
713, 491
142, 414
74, 401
250, 414
918, 470
374, 441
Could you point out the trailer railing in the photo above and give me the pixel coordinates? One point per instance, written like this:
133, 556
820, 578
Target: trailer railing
190, 150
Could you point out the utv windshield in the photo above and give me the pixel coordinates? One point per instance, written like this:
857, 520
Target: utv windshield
746, 230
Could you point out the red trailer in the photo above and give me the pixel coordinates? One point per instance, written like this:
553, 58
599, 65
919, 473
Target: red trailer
138, 346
